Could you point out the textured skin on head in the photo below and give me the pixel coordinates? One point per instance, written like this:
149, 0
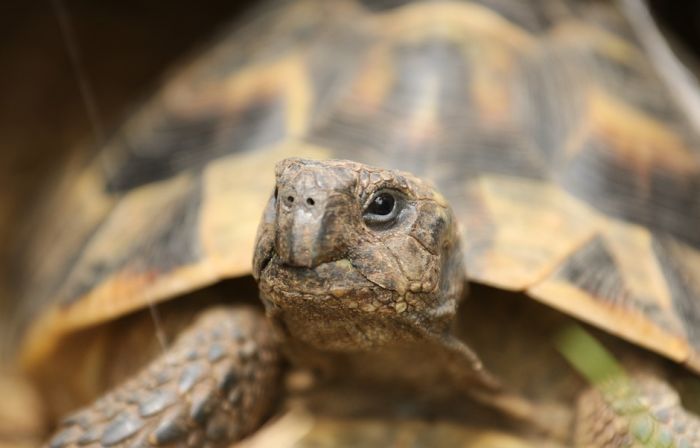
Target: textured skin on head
643, 412
336, 283
410, 271
213, 386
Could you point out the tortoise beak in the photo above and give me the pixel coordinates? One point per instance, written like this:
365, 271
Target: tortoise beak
315, 212
310, 227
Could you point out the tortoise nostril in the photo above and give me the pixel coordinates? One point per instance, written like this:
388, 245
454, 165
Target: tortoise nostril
310, 201
290, 198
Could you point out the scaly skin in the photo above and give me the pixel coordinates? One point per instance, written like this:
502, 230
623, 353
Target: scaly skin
214, 385
642, 412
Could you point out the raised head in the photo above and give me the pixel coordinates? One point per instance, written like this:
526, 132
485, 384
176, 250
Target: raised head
351, 257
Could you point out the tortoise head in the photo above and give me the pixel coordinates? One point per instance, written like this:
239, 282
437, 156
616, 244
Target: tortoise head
350, 257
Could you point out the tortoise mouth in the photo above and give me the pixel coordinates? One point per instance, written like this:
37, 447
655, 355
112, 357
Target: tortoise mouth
335, 283
331, 306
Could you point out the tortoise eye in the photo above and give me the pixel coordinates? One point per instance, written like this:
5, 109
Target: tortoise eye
382, 204
383, 208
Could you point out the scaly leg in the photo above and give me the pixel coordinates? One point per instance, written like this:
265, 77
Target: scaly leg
637, 412
213, 386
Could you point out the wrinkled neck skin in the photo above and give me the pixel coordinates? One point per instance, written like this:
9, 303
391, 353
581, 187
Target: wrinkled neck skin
354, 300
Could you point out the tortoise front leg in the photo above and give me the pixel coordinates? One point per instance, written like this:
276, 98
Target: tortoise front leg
622, 409
638, 412
213, 386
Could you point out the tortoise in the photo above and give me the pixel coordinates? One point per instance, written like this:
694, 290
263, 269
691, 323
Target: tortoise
562, 147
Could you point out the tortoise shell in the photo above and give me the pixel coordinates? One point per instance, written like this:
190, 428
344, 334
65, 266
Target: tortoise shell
571, 165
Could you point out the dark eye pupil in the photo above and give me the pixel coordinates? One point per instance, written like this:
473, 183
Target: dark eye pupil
383, 204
